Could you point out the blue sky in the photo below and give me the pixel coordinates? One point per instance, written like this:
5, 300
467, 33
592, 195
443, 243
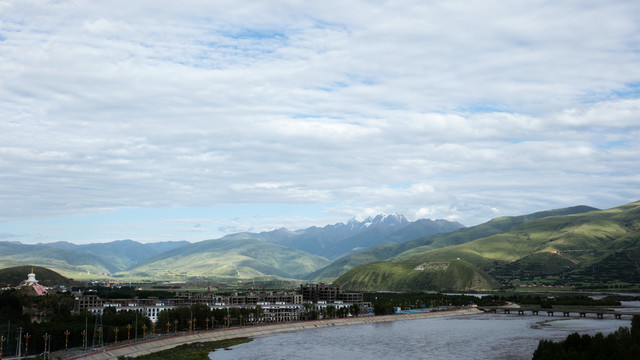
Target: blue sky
158, 121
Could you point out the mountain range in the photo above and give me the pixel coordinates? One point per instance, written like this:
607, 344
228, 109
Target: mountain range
576, 247
334, 241
68, 258
280, 253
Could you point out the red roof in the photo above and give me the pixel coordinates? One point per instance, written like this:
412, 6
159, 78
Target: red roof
40, 290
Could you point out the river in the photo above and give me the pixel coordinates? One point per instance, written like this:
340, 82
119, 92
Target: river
483, 336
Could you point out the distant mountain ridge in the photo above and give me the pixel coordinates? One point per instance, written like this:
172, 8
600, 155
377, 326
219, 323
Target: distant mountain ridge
576, 247
283, 253
229, 259
412, 244
71, 259
340, 239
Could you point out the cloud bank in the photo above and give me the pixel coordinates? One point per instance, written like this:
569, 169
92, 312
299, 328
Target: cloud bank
463, 111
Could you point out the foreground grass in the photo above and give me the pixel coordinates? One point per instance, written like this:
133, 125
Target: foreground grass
193, 351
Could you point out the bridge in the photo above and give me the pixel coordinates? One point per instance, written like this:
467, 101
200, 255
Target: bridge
566, 312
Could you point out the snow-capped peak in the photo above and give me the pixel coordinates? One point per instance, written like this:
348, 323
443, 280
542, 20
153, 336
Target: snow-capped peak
395, 218
353, 223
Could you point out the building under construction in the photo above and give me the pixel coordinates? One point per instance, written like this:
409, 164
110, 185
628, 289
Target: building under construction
329, 293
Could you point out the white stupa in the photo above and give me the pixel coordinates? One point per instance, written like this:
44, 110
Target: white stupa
31, 280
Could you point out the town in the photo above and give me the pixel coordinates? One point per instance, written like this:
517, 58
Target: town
264, 306
91, 322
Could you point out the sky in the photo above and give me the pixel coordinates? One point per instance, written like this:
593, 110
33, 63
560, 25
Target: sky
164, 120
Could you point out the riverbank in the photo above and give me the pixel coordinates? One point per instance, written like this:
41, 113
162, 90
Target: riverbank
155, 345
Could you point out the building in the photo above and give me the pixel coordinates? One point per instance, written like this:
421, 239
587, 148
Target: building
31, 285
86, 302
275, 307
190, 298
328, 293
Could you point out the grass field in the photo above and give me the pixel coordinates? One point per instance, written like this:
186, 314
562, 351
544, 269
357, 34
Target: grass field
194, 351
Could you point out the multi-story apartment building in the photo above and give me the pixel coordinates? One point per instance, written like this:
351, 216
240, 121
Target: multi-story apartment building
329, 293
276, 307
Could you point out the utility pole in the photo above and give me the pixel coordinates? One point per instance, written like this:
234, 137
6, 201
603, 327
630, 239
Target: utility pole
84, 336
47, 339
19, 343
8, 334
66, 340
26, 345
136, 330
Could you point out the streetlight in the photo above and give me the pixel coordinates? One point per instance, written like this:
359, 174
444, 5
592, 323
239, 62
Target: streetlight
2, 340
116, 331
46, 338
66, 340
26, 345
84, 339
144, 330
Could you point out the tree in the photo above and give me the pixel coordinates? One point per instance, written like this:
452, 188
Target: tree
354, 309
621, 344
331, 311
258, 313
308, 307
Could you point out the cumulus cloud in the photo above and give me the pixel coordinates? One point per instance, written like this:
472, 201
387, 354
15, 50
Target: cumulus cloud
427, 109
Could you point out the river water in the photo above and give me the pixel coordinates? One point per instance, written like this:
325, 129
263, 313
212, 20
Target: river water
483, 336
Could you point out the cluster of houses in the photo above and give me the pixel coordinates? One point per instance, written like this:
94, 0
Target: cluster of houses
275, 307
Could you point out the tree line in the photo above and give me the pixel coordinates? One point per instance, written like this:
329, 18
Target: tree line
622, 344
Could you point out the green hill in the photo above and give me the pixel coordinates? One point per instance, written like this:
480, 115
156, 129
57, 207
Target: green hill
82, 261
590, 249
455, 275
229, 259
67, 262
441, 240
13, 276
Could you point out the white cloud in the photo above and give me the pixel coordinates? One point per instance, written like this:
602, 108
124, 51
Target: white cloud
457, 111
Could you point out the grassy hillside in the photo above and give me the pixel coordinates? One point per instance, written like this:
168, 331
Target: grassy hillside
69, 263
441, 240
583, 238
13, 276
346, 263
382, 236
82, 261
492, 227
229, 259
456, 275
591, 249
